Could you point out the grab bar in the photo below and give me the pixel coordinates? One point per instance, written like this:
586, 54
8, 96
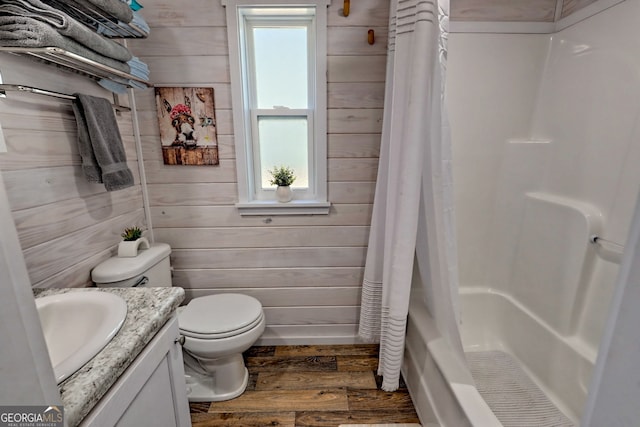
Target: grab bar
610, 251
599, 240
4, 88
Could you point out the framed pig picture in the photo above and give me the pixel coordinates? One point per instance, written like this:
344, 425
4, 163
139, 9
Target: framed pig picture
187, 121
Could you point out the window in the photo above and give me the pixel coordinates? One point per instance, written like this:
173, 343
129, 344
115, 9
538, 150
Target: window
278, 82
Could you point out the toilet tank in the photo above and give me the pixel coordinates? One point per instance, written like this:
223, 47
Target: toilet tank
150, 268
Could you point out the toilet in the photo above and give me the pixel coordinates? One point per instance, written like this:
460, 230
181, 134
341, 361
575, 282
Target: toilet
216, 328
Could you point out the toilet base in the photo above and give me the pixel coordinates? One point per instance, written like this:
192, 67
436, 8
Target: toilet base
199, 392
215, 380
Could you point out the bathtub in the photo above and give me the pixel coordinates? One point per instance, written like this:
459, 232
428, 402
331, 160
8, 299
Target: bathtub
560, 366
545, 264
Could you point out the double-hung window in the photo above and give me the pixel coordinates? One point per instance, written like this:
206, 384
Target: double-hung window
277, 53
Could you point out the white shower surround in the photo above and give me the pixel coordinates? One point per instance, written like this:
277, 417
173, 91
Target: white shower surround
544, 128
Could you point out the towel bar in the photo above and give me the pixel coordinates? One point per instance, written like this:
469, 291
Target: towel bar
21, 88
76, 63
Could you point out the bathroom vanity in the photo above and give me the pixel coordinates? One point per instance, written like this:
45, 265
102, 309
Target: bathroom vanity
138, 378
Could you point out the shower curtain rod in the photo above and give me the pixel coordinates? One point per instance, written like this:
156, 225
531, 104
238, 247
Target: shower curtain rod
4, 88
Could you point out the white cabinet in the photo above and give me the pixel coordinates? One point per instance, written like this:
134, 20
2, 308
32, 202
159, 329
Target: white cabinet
151, 392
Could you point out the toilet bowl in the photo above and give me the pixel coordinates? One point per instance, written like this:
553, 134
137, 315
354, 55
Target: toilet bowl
216, 328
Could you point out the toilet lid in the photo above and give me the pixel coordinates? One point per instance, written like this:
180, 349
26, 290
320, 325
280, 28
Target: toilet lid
220, 314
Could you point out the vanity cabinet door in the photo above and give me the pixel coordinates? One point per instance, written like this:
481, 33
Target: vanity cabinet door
151, 392
154, 403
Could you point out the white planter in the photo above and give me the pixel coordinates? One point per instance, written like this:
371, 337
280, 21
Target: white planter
284, 194
129, 249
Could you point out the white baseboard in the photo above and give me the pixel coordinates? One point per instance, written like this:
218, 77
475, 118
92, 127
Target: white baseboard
297, 340
310, 335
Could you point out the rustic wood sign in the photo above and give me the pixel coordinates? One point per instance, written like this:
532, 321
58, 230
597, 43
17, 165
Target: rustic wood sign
187, 121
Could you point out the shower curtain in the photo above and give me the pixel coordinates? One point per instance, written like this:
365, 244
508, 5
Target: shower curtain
413, 205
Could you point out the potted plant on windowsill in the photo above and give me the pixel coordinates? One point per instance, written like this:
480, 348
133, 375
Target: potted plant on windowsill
132, 241
283, 177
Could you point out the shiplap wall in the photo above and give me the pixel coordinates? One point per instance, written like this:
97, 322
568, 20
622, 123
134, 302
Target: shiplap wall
515, 10
66, 225
306, 270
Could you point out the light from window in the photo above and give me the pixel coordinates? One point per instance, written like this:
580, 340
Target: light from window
280, 57
283, 141
281, 67
277, 58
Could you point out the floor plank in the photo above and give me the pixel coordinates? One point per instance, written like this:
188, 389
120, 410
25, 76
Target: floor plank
333, 419
381, 400
315, 385
285, 400
263, 350
247, 419
357, 363
315, 380
327, 350
308, 363
253, 381
198, 407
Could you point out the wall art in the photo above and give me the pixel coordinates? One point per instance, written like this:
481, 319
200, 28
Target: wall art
187, 121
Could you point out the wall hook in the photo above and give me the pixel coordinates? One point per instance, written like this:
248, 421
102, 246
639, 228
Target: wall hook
371, 38
346, 7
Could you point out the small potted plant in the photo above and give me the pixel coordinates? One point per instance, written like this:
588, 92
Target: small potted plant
132, 241
283, 177
131, 234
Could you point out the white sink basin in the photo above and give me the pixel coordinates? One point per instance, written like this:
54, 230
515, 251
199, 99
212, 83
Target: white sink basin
77, 325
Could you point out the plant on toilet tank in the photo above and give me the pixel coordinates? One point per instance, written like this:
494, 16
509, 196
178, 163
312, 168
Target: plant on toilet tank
131, 234
132, 241
283, 177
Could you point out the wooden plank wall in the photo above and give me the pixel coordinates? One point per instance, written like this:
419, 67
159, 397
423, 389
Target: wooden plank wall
503, 10
66, 225
515, 10
572, 6
306, 270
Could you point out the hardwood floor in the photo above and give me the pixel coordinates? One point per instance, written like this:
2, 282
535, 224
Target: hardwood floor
319, 386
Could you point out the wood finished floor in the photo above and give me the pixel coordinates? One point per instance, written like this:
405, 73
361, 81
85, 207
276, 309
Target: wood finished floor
319, 386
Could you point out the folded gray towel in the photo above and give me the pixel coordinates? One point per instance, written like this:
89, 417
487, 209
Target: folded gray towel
22, 31
66, 26
100, 143
115, 8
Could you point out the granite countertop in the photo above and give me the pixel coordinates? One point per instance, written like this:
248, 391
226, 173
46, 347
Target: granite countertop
148, 309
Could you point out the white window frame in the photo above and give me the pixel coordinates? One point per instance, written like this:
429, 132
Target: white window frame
253, 201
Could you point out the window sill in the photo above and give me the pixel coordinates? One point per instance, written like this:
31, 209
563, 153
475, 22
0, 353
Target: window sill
294, 207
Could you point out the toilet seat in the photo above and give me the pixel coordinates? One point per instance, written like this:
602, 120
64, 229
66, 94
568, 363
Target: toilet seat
219, 316
220, 335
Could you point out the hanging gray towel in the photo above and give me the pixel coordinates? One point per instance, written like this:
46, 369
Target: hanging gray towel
99, 142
